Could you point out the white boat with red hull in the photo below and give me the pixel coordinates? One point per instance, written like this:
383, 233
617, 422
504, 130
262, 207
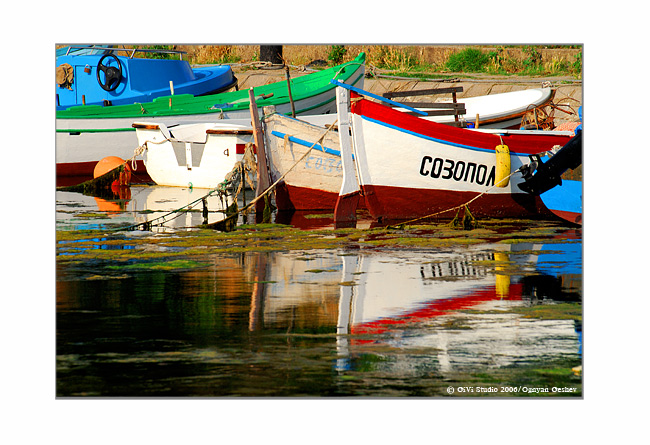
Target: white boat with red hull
408, 167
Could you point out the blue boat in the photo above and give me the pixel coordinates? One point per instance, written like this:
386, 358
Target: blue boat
565, 201
97, 75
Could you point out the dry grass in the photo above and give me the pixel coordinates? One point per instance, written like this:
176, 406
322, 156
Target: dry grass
401, 58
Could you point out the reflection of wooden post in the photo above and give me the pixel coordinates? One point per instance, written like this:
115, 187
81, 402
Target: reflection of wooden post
257, 297
262, 168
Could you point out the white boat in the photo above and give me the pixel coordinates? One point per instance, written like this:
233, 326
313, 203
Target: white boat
313, 180
409, 167
311, 167
200, 155
193, 155
502, 110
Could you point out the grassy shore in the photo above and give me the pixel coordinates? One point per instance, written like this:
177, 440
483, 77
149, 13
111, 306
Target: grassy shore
413, 61
404, 60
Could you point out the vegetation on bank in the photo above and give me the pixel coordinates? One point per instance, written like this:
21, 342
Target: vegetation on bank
408, 61
475, 60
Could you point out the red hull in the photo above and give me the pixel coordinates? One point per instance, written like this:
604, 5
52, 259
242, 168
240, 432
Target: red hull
572, 217
408, 203
75, 173
289, 197
87, 168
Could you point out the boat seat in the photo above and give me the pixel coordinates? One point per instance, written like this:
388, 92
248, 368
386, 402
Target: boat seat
189, 133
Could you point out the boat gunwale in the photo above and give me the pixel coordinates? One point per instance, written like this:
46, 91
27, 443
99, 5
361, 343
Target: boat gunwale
520, 145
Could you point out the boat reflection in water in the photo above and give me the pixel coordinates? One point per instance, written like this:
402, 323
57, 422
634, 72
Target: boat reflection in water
361, 320
450, 309
140, 204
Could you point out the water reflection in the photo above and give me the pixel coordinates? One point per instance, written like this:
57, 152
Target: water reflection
140, 204
316, 323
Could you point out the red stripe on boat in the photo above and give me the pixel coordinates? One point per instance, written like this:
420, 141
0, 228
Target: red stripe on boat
517, 143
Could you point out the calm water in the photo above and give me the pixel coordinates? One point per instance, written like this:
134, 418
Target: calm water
378, 323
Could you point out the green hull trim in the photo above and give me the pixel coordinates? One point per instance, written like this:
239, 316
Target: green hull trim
302, 87
93, 130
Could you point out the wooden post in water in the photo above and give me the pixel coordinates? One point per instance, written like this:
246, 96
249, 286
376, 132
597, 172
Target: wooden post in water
263, 180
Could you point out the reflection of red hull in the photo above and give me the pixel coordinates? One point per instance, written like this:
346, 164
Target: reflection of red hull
434, 308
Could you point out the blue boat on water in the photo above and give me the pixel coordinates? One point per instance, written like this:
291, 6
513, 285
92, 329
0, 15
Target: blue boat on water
101, 75
565, 200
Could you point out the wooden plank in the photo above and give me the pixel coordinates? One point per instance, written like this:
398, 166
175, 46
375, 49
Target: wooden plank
438, 105
146, 126
442, 112
222, 131
423, 92
445, 112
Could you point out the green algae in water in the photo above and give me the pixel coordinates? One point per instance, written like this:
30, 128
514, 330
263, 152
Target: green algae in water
166, 265
272, 237
550, 311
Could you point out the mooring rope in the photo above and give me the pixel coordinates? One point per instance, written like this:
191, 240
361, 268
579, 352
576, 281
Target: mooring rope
180, 211
219, 189
458, 207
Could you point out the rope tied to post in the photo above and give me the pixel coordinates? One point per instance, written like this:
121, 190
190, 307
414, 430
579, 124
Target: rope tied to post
264, 195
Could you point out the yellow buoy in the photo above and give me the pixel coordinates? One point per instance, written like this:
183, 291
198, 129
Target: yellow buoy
503, 166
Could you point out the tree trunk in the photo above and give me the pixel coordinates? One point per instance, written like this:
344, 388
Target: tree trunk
271, 53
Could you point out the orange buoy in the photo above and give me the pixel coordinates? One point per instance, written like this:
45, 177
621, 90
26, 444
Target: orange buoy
111, 162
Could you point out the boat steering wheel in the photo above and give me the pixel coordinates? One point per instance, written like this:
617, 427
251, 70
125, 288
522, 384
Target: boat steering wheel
112, 75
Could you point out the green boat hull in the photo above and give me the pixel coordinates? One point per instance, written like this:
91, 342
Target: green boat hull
302, 88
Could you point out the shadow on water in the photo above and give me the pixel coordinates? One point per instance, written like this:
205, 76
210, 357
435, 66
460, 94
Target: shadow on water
371, 321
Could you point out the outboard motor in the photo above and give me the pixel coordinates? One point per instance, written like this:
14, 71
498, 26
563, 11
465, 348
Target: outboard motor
541, 176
